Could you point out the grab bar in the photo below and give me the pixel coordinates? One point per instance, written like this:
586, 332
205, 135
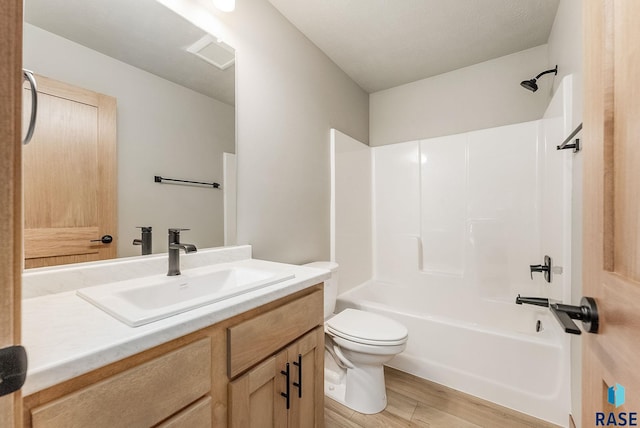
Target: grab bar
575, 146
28, 76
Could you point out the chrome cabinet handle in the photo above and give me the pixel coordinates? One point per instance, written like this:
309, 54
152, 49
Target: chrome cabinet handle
28, 76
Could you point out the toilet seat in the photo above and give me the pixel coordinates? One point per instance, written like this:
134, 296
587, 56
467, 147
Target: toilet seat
366, 328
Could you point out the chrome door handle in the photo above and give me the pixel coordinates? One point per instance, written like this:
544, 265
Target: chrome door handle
28, 76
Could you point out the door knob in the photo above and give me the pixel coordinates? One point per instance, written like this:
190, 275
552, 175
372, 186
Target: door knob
106, 239
13, 369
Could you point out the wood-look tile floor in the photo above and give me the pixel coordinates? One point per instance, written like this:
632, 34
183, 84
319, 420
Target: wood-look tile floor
415, 402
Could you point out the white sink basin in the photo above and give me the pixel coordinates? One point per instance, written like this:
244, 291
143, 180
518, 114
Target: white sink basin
140, 301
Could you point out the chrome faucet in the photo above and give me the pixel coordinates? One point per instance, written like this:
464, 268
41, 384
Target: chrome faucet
144, 240
174, 251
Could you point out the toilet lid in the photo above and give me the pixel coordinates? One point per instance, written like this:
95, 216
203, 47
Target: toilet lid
366, 327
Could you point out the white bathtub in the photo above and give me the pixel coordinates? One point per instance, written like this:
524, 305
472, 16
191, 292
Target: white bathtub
486, 348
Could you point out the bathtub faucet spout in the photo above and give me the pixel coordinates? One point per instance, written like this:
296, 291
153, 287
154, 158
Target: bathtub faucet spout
538, 301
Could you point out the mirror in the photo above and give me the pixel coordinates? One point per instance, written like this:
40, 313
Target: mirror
174, 91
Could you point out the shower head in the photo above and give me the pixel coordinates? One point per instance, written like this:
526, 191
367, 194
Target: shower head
532, 85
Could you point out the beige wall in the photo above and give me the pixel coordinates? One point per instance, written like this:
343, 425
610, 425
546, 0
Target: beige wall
565, 40
483, 95
288, 96
352, 210
163, 129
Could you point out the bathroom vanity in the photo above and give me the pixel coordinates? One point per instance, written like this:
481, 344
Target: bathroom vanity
251, 360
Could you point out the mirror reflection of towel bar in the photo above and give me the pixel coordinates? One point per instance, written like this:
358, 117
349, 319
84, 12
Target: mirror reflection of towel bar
159, 179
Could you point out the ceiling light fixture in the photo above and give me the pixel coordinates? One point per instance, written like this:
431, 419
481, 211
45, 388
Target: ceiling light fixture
225, 5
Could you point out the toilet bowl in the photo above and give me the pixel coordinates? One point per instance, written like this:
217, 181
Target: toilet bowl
357, 345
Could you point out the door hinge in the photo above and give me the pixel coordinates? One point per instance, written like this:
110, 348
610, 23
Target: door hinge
13, 369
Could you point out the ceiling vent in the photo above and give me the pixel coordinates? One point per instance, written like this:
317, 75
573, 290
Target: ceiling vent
214, 51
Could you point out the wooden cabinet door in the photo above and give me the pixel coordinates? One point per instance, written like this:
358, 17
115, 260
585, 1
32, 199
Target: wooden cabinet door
10, 193
306, 358
255, 399
141, 396
70, 176
611, 266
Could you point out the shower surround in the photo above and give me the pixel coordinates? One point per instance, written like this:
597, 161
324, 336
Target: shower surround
456, 222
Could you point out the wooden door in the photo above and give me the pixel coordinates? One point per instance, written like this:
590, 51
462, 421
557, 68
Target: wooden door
306, 358
10, 192
611, 270
255, 399
70, 176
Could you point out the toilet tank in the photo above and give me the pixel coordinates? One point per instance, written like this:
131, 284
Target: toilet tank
330, 286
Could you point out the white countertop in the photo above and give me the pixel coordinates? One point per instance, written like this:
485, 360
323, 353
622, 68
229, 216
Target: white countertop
66, 336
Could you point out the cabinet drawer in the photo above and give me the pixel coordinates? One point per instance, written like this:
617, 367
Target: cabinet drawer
197, 415
139, 397
253, 340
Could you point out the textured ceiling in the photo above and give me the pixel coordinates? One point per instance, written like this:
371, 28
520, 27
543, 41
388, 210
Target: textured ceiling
385, 43
142, 33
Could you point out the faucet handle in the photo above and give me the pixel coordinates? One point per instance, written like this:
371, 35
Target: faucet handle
174, 235
144, 228
176, 230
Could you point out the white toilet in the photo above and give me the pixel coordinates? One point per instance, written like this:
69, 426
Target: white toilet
357, 344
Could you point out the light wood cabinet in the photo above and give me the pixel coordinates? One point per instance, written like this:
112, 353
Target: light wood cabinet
228, 374
255, 399
197, 415
139, 397
285, 390
307, 366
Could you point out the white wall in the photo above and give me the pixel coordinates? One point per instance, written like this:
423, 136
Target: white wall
566, 50
163, 129
229, 192
480, 96
351, 211
289, 95
462, 210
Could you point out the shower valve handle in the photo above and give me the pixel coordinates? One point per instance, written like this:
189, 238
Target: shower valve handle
587, 312
537, 268
545, 268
